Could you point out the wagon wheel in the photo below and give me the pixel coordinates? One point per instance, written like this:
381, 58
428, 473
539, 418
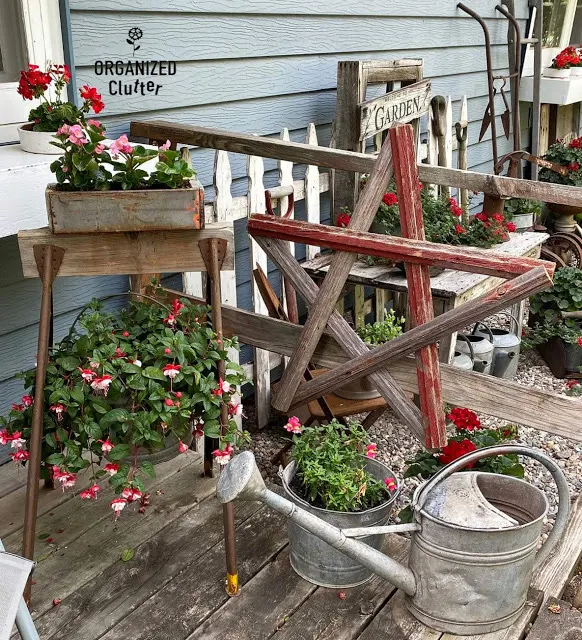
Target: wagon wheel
567, 246
546, 254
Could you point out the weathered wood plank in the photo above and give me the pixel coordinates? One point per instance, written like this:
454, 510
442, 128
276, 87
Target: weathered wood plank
560, 622
468, 259
312, 190
557, 571
65, 565
11, 478
325, 617
275, 593
98, 254
418, 279
191, 597
450, 321
493, 396
402, 105
330, 289
107, 598
394, 622
299, 153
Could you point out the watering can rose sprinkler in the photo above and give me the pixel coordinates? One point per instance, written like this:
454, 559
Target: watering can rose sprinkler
473, 539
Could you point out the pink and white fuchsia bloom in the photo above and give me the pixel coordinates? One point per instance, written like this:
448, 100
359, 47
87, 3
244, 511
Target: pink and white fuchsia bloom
223, 457
294, 425
118, 505
90, 493
87, 374
111, 468
182, 447
101, 384
58, 409
171, 370
106, 445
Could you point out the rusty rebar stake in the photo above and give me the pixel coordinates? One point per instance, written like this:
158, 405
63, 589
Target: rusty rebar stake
213, 251
48, 261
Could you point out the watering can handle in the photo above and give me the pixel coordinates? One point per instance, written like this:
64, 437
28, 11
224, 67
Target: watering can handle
422, 492
462, 336
483, 325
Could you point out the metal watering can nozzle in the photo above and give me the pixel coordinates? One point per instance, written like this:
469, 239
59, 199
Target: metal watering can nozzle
241, 479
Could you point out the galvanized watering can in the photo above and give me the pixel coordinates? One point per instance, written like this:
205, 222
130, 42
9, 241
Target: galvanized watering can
479, 348
506, 350
473, 544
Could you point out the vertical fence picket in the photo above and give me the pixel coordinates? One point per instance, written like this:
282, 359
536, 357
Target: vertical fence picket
285, 180
312, 205
256, 204
433, 149
223, 213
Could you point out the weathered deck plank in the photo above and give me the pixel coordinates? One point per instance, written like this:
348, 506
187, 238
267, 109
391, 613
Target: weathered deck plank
107, 598
276, 593
192, 596
325, 617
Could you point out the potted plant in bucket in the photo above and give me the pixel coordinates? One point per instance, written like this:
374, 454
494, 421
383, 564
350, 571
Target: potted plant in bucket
52, 113
555, 323
562, 63
372, 334
522, 212
333, 474
105, 186
122, 389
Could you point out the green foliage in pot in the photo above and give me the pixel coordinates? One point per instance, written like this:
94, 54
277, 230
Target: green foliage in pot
124, 384
568, 155
330, 467
381, 332
520, 207
548, 305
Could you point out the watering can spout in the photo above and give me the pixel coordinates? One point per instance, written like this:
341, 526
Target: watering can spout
241, 479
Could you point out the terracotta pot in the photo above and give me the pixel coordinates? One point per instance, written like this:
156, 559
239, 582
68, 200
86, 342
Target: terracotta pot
37, 141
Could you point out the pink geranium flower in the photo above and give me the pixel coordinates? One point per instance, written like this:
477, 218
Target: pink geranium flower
294, 425
371, 450
165, 146
77, 135
64, 130
121, 145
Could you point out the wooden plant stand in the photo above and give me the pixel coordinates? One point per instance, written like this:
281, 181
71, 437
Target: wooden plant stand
47, 256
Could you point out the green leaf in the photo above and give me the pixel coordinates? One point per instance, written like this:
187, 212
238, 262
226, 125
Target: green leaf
55, 458
114, 416
148, 468
93, 430
212, 429
77, 394
44, 536
127, 555
154, 373
119, 452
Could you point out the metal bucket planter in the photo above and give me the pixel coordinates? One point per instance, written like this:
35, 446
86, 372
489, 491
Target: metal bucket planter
133, 210
315, 560
523, 222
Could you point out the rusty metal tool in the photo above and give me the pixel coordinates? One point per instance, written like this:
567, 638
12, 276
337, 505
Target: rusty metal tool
506, 115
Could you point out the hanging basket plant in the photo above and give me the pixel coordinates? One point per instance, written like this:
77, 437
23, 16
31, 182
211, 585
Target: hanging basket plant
120, 386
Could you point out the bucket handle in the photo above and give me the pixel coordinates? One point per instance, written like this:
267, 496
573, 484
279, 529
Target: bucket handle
462, 336
485, 326
421, 493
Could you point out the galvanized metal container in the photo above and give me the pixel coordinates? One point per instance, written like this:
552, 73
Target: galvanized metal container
314, 559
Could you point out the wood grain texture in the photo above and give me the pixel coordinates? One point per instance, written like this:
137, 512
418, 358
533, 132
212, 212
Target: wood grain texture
311, 186
467, 259
135, 252
345, 335
334, 281
296, 35
453, 320
555, 574
136, 210
558, 620
351, 161
418, 278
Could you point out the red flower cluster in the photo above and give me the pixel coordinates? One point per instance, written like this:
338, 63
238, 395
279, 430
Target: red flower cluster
390, 199
33, 83
92, 97
459, 228
571, 384
343, 219
567, 58
464, 419
576, 143
455, 450
573, 166
455, 209
579, 341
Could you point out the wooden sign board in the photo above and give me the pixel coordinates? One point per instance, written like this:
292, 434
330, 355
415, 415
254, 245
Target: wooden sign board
403, 105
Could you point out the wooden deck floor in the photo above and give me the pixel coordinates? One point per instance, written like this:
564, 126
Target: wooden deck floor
173, 587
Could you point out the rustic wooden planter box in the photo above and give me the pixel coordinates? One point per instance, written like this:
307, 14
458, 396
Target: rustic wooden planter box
140, 210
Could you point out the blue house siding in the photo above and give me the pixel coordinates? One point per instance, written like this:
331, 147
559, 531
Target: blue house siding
252, 66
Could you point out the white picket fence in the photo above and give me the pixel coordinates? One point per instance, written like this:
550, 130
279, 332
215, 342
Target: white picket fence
225, 207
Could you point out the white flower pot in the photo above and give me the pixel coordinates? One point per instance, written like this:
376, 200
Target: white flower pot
576, 72
557, 73
37, 141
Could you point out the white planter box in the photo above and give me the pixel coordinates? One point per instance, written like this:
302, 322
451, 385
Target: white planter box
37, 141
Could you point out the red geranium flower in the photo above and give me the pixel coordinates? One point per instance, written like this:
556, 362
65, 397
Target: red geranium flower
576, 143
464, 418
455, 450
481, 216
511, 226
343, 220
498, 217
460, 229
390, 199
92, 97
573, 166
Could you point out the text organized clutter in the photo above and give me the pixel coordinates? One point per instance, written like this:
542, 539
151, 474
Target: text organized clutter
132, 77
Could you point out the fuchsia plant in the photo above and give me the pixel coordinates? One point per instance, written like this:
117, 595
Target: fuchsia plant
124, 386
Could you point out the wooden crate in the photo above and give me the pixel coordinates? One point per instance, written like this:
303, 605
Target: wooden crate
140, 210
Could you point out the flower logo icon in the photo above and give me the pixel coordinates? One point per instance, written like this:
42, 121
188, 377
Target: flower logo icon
133, 35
